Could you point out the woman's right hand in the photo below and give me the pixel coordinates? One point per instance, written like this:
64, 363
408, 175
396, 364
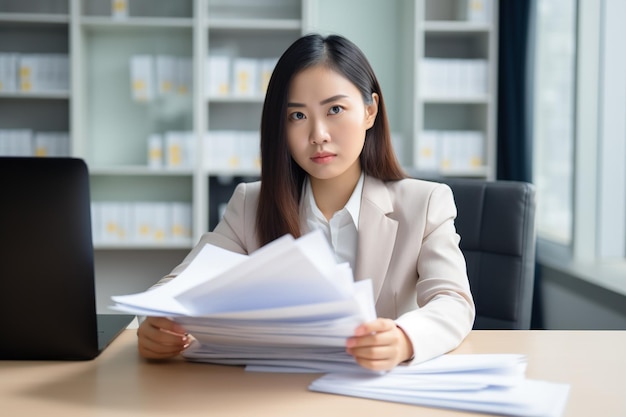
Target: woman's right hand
161, 338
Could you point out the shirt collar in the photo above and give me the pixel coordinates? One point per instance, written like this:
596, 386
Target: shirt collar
353, 206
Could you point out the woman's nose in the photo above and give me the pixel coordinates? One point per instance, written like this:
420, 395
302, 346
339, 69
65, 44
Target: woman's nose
319, 134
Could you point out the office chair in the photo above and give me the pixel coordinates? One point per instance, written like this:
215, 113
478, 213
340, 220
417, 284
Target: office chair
496, 222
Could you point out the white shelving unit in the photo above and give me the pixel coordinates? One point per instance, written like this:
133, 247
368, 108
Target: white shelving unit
28, 29
450, 31
109, 129
423, 29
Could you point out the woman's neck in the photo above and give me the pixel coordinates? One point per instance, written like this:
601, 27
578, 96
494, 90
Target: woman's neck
331, 195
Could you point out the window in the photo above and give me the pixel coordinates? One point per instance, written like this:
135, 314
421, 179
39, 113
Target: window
553, 117
579, 126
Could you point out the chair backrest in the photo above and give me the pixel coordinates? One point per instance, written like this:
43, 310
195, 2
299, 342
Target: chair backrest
496, 222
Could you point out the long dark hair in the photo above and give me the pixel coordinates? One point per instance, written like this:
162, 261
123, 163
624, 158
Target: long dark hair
281, 176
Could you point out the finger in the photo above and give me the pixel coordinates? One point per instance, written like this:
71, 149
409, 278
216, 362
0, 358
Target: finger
156, 342
151, 350
378, 325
161, 337
166, 324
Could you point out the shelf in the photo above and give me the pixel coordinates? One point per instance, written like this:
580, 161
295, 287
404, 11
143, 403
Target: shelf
254, 24
460, 27
236, 99
63, 95
138, 170
456, 100
143, 246
233, 173
36, 18
446, 173
97, 22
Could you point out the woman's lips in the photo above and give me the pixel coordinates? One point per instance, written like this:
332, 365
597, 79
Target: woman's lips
323, 157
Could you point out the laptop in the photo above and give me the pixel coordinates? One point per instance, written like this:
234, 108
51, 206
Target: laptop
47, 289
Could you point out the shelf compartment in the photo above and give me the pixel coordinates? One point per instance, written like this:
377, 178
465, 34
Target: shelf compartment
141, 8
461, 45
458, 10
455, 116
255, 10
37, 114
221, 188
129, 188
34, 38
117, 127
35, 7
110, 24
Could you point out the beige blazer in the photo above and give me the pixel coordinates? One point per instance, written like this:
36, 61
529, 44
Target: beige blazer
407, 246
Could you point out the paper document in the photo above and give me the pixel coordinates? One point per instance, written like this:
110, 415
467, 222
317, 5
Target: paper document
492, 384
288, 305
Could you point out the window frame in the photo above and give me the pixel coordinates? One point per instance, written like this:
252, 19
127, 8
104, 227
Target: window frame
597, 253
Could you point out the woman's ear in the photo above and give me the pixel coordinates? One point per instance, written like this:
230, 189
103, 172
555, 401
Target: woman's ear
371, 110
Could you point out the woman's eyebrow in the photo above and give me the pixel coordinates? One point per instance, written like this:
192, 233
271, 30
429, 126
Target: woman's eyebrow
333, 98
325, 101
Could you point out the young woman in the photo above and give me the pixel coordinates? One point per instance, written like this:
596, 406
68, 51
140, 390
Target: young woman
328, 163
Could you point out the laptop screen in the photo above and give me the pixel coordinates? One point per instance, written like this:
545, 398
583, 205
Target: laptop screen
47, 290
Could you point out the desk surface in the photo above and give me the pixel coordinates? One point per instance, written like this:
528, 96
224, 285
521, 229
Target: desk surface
119, 383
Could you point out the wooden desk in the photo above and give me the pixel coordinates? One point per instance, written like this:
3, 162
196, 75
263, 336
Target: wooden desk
119, 383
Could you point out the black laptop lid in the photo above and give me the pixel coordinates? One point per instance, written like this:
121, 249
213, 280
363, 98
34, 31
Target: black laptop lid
47, 294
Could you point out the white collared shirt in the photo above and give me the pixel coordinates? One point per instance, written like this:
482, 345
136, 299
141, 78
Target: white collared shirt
341, 230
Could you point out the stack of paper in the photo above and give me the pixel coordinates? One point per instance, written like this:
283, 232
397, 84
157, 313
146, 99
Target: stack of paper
492, 384
289, 304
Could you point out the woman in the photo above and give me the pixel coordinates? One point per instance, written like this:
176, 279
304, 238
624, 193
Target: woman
328, 163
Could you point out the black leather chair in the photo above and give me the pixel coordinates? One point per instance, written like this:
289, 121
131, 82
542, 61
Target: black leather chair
496, 222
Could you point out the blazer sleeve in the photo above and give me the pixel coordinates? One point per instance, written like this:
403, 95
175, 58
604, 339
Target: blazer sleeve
446, 311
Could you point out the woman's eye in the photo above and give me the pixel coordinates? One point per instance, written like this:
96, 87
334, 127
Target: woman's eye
335, 110
296, 116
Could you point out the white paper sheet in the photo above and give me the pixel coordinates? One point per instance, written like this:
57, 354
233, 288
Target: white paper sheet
481, 383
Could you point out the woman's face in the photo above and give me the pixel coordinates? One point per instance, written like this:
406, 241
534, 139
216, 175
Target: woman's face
326, 124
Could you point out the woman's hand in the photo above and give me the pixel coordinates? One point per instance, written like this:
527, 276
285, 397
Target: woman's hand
161, 338
379, 345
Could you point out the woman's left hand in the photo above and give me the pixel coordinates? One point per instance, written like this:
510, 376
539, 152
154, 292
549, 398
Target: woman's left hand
379, 345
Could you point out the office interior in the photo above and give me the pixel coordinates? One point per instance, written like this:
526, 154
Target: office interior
109, 120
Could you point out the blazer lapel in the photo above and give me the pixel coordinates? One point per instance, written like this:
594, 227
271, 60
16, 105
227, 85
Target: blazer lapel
377, 234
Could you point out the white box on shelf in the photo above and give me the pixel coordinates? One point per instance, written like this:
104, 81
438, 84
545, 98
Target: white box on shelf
427, 151
143, 222
221, 150
165, 73
449, 147
119, 9
50, 144
28, 67
248, 150
114, 222
267, 66
184, 76
16, 142
479, 10
142, 77
475, 145
180, 230
162, 222
478, 76
246, 77
9, 72
218, 76
179, 149
155, 151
